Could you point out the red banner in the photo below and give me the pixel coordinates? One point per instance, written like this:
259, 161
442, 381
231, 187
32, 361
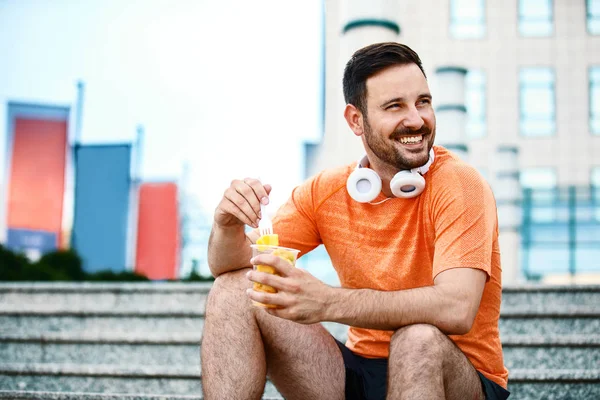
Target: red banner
158, 237
37, 175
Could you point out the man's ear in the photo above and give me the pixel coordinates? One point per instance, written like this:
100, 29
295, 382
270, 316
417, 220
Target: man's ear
354, 118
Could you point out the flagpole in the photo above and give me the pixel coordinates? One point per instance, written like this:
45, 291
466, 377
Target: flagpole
74, 151
136, 179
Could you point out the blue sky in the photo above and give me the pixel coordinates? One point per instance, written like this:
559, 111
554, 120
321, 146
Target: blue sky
232, 87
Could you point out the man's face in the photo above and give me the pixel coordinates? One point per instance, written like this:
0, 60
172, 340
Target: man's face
399, 127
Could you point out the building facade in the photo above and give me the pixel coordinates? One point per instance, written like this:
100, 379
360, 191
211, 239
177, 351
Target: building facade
530, 83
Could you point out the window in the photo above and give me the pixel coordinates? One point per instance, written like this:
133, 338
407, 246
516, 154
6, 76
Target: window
535, 18
595, 181
596, 177
595, 100
593, 17
542, 182
467, 19
537, 101
538, 178
475, 102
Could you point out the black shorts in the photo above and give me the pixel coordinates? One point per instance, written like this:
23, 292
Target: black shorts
366, 378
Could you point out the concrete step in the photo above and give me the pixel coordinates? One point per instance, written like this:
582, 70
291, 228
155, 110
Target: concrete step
162, 297
145, 338
524, 383
27, 323
38, 395
536, 325
520, 351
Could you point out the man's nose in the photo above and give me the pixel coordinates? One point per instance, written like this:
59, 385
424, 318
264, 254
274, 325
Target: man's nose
413, 119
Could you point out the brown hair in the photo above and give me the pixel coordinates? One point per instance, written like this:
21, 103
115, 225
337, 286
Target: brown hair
368, 61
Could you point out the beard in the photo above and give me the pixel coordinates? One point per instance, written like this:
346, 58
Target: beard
393, 156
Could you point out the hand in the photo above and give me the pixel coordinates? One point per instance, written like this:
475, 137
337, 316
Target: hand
241, 203
301, 297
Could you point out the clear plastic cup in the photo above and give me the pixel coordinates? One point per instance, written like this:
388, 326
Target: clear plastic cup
285, 253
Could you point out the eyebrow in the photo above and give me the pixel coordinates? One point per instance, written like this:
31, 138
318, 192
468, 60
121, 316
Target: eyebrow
402, 99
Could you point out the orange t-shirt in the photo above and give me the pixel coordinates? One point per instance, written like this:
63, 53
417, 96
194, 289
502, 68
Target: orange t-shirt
404, 243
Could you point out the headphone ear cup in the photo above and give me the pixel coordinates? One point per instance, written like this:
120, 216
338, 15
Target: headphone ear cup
407, 184
363, 185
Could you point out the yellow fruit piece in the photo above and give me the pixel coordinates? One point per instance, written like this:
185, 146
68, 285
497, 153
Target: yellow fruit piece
272, 239
285, 254
268, 240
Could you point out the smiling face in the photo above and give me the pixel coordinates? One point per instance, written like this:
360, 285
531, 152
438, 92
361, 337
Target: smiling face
398, 128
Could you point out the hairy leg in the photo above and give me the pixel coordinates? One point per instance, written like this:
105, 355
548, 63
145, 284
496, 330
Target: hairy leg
241, 344
425, 364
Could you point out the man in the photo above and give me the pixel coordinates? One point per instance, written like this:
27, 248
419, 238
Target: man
420, 275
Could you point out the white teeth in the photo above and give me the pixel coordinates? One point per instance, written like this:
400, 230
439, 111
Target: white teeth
411, 139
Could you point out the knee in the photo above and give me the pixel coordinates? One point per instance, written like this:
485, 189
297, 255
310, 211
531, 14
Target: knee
419, 339
228, 289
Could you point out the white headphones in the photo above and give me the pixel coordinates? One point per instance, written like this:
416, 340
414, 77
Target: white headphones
364, 185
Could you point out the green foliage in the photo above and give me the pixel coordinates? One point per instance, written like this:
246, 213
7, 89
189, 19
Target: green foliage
66, 264
12, 265
111, 276
195, 277
55, 266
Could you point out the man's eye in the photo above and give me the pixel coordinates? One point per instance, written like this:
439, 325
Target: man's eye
425, 101
393, 106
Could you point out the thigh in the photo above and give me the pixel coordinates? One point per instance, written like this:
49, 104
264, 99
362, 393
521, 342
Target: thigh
461, 379
427, 359
303, 361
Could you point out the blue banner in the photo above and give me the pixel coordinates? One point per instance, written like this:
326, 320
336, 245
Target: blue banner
102, 189
32, 243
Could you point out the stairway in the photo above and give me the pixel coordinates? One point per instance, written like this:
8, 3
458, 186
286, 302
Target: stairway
97, 341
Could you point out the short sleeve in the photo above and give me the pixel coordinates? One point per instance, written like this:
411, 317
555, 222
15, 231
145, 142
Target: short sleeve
295, 220
465, 221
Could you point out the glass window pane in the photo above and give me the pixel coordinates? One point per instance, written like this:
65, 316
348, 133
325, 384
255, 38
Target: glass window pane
475, 103
467, 19
535, 8
535, 128
546, 259
537, 75
587, 258
538, 178
596, 176
593, 16
537, 101
535, 29
595, 100
535, 17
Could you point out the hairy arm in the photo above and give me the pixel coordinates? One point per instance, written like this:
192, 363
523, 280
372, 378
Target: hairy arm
228, 249
228, 244
451, 304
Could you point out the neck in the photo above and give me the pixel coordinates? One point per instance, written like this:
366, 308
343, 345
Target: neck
386, 172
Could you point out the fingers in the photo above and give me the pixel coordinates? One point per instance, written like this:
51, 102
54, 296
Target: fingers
275, 281
275, 299
260, 193
242, 200
284, 267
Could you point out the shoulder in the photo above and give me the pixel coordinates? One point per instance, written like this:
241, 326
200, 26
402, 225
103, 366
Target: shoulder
450, 169
324, 185
450, 174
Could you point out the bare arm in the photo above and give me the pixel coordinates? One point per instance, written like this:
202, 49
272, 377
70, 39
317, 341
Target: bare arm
228, 249
228, 245
451, 304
